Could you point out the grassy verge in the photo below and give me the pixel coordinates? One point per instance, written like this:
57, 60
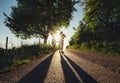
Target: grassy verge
13, 58
109, 48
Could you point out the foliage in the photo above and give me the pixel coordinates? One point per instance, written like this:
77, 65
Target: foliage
100, 27
12, 58
39, 17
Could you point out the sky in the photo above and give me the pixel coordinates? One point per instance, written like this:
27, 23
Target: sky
5, 6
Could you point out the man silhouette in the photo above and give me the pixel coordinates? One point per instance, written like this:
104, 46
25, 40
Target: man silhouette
62, 36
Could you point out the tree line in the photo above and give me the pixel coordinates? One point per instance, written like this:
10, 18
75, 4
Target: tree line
100, 27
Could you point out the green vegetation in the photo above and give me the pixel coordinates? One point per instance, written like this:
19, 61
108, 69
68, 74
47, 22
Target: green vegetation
108, 48
100, 28
38, 18
34, 18
12, 58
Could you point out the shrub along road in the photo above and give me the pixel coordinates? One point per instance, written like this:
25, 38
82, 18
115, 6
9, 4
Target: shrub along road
72, 66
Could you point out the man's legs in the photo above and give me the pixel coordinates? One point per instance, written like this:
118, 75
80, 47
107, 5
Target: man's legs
62, 46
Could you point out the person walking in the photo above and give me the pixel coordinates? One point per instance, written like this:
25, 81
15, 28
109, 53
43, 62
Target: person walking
62, 36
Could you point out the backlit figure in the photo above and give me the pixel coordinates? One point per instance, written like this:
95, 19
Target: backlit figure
61, 43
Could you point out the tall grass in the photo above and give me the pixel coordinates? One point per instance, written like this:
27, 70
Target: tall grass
14, 57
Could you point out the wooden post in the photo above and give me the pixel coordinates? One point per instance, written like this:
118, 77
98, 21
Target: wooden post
6, 43
39, 40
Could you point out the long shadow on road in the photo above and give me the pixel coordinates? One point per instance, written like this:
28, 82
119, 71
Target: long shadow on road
38, 74
85, 77
68, 73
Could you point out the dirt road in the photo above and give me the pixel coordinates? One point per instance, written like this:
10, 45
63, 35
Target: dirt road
67, 67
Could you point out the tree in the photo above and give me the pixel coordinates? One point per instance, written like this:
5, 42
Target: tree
39, 17
103, 17
101, 25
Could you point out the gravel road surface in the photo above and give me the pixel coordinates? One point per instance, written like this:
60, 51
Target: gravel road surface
72, 66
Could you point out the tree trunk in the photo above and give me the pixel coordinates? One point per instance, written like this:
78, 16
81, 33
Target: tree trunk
6, 43
45, 40
46, 37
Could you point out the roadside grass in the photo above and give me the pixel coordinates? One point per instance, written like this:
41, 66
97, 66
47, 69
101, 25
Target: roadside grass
15, 57
109, 48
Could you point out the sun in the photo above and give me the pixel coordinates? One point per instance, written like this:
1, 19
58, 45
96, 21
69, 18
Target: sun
56, 36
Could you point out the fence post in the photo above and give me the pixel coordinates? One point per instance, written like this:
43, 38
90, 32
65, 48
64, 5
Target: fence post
39, 40
6, 43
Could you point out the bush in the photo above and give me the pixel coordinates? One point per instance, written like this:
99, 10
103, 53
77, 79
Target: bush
12, 58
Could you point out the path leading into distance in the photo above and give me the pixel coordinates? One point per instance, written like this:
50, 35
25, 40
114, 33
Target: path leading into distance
68, 68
